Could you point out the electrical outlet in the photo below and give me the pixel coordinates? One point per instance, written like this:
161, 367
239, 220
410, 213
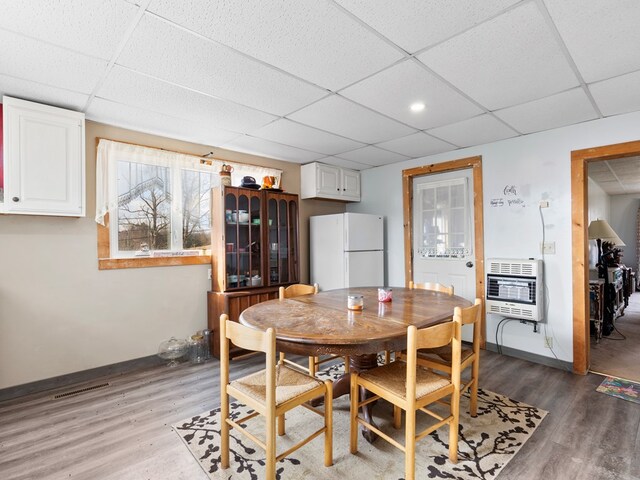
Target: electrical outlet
544, 204
548, 248
548, 342
209, 274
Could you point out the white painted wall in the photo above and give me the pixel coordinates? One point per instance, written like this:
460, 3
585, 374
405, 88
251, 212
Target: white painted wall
599, 204
623, 219
539, 166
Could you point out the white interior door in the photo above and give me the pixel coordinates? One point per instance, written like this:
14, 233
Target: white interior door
443, 234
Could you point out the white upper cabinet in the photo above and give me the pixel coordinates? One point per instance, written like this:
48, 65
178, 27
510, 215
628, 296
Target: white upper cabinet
44, 160
328, 181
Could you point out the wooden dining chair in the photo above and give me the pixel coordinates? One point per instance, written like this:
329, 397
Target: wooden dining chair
314, 362
440, 358
270, 392
436, 287
410, 387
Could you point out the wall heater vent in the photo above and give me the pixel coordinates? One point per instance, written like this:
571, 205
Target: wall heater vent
515, 288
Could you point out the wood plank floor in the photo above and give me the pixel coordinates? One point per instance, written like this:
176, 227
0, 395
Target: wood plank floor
124, 431
617, 356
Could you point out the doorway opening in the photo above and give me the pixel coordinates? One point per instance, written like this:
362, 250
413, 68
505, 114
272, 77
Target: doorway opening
580, 159
474, 164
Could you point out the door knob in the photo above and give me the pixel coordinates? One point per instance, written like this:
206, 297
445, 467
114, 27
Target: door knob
16, 199
469, 264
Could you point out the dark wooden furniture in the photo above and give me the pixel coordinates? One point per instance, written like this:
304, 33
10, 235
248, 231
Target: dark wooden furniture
254, 251
596, 307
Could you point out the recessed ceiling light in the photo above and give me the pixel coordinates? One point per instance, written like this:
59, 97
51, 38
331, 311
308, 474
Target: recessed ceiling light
417, 107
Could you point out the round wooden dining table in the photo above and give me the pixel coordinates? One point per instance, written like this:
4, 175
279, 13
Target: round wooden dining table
319, 324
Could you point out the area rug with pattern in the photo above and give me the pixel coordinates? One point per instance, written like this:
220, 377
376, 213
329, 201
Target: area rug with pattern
624, 389
486, 443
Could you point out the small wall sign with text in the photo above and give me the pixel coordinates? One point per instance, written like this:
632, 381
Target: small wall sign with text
511, 198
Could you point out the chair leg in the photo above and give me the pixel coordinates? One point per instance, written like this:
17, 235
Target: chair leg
397, 417
328, 423
347, 364
270, 459
224, 432
387, 357
410, 445
353, 411
281, 426
453, 427
312, 366
473, 391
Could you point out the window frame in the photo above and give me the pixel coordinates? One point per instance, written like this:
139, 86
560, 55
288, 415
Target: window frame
107, 234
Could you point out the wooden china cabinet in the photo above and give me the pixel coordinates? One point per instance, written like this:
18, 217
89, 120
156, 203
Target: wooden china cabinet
254, 247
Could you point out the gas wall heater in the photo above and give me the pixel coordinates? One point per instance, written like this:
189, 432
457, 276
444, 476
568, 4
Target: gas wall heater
515, 288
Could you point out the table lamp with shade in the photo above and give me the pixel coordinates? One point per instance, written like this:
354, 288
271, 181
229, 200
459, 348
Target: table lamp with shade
600, 231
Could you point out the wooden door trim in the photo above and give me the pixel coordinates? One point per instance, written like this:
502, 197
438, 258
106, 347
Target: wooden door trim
475, 163
579, 241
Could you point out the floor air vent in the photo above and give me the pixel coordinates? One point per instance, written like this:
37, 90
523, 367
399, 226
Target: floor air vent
80, 390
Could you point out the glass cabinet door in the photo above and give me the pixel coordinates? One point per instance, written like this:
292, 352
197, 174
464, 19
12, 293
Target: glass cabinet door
243, 239
282, 240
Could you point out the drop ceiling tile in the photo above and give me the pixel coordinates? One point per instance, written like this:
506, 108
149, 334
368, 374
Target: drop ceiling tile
371, 155
130, 88
392, 92
555, 111
297, 135
158, 48
415, 24
147, 121
94, 28
598, 168
626, 169
417, 145
33, 60
313, 40
617, 95
602, 36
266, 148
341, 162
37, 92
509, 60
337, 115
476, 131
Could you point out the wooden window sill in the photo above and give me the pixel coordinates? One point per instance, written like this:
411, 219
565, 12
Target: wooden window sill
141, 262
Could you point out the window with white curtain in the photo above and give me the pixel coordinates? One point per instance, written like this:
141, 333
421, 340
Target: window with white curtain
446, 222
158, 201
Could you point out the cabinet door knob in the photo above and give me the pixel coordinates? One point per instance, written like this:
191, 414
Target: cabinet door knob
16, 199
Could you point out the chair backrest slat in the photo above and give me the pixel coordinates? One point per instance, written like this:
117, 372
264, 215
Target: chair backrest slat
436, 287
435, 336
247, 338
296, 290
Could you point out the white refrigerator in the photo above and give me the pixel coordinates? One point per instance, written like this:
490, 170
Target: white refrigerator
346, 250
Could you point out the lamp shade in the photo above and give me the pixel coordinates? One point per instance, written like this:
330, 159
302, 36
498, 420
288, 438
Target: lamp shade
600, 229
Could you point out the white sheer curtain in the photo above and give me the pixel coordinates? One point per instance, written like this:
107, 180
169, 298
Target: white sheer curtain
111, 152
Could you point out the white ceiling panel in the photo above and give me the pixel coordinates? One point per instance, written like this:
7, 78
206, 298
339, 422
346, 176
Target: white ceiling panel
158, 48
37, 92
92, 27
371, 155
36, 61
476, 131
558, 110
405, 22
301, 136
266, 148
416, 145
342, 162
342, 117
130, 88
395, 89
617, 95
311, 39
509, 60
156, 123
602, 36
